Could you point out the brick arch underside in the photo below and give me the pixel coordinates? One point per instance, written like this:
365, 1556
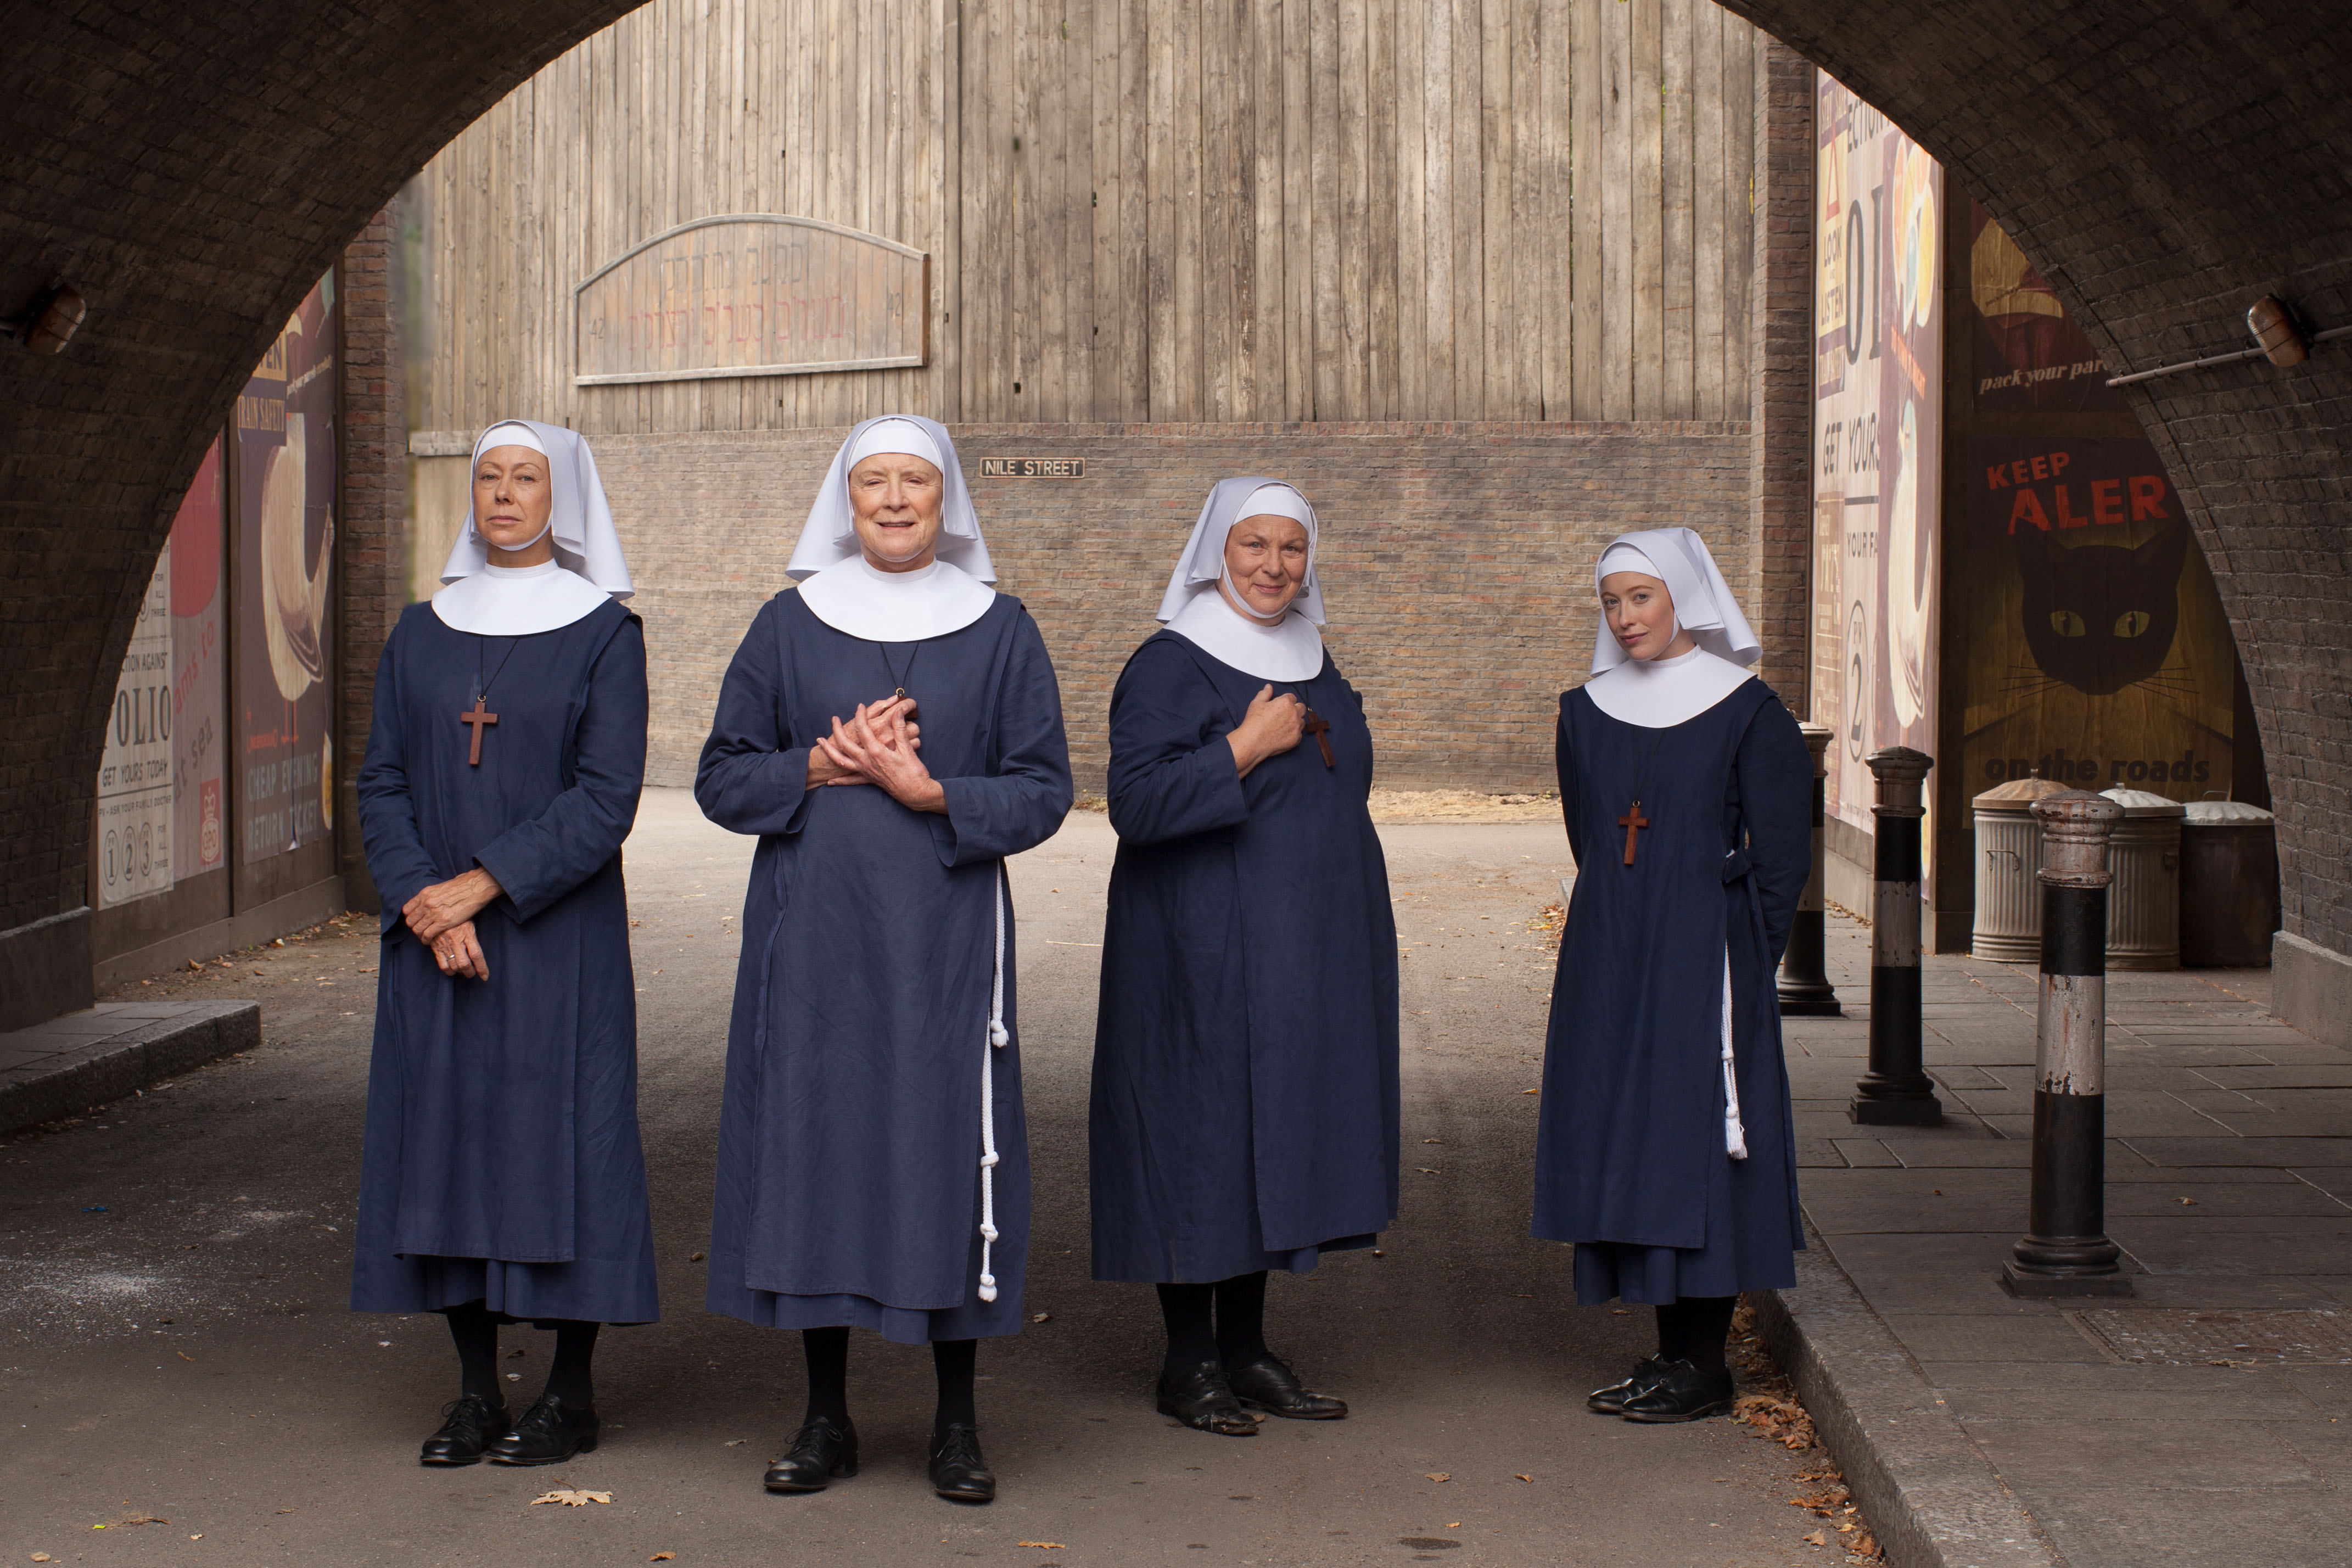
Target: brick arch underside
191, 169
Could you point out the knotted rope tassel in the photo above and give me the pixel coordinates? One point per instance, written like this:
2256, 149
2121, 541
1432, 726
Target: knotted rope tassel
1735, 1135
997, 1035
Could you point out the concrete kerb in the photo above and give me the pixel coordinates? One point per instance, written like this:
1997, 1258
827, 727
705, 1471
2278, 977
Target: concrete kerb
142, 1053
1932, 1498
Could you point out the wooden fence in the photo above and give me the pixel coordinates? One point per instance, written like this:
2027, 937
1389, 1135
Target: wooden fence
1139, 210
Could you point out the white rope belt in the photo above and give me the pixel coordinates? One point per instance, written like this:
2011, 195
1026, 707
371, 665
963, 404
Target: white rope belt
1735, 1135
997, 1035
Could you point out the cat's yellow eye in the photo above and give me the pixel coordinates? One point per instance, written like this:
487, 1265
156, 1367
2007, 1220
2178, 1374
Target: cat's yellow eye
2067, 624
2131, 623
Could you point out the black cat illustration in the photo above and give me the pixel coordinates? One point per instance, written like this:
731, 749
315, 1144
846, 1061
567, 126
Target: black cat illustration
2101, 616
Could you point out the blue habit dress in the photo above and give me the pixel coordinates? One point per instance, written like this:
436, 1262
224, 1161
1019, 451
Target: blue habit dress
1245, 1112
1630, 1156
502, 1163
849, 1143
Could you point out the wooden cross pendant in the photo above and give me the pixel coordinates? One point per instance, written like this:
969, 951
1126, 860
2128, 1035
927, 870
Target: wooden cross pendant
1632, 822
482, 715
1320, 726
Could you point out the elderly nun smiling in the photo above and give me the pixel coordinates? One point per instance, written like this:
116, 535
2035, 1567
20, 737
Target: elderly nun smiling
503, 1179
1245, 1112
891, 730
1664, 1149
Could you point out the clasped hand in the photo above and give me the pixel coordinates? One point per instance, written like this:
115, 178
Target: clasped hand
442, 916
1272, 726
877, 745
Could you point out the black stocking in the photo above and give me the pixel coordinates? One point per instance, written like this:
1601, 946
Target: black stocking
571, 1378
476, 1333
1695, 1328
1191, 1334
954, 1360
828, 1373
1241, 1319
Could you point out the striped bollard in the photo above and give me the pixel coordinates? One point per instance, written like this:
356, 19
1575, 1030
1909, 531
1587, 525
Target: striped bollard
2065, 1250
1804, 985
1897, 1091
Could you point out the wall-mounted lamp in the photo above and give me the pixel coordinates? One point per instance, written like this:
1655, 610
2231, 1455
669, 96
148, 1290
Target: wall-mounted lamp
51, 322
2277, 332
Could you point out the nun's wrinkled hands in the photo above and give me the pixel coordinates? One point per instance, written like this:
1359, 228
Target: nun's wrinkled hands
879, 745
827, 765
458, 951
1272, 726
444, 905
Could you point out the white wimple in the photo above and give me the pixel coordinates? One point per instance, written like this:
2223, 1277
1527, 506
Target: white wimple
997, 1035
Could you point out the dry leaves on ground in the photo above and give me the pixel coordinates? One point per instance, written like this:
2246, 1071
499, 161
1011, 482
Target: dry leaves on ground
1550, 922
1043, 1545
1441, 1475
571, 1498
1461, 805
663, 1557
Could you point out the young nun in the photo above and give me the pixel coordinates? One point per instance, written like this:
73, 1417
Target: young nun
502, 1180
892, 731
1245, 1114
1664, 1149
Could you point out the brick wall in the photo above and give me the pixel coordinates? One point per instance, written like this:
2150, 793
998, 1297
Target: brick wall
371, 524
1781, 521
1454, 559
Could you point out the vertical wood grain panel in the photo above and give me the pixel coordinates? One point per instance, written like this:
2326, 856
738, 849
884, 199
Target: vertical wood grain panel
1643, 89
1221, 209
1708, 325
1678, 205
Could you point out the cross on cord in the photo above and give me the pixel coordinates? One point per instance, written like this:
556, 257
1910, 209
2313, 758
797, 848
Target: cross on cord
482, 715
1632, 822
1320, 727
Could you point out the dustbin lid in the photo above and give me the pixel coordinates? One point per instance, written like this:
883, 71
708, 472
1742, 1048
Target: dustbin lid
2016, 794
2225, 813
2140, 802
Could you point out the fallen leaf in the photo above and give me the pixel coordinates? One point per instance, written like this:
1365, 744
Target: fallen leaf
183, 1355
695, 1256
2190, 1201
1818, 1539
663, 1557
1455, 1525
43, 1556
1621, 1311
1433, 1140
1043, 1545
1427, 1171
571, 1498
735, 1442
1441, 1475
1040, 1317
1530, 1091
1528, 1479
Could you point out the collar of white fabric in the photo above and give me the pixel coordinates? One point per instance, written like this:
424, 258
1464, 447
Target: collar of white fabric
908, 579
515, 574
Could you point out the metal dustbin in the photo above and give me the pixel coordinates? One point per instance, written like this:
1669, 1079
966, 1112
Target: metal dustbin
2229, 885
2009, 860
2144, 904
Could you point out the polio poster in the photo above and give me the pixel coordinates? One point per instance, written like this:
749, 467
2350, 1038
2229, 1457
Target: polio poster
1878, 425
134, 772
285, 540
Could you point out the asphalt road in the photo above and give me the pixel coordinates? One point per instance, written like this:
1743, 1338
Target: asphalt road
173, 1269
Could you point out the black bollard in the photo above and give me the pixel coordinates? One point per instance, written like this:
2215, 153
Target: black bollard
2065, 1250
1804, 985
1897, 1091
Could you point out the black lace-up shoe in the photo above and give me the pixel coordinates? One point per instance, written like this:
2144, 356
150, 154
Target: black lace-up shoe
1269, 1385
1684, 1394
958, 1472
1610, 1401
468, 1426
1200, 1397
820, 1451
548, 1434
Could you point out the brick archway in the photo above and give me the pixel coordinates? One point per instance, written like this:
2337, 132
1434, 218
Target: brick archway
190, 170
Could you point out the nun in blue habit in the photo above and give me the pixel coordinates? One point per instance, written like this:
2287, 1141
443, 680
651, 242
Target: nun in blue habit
1664, 1151
892, 731
1245, 1096
502, 1178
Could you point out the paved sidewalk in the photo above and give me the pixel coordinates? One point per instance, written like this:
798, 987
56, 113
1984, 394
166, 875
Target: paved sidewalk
2207, 1419
103, 1053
